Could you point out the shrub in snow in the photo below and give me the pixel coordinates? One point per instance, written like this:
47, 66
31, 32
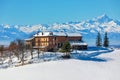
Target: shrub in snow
66, 57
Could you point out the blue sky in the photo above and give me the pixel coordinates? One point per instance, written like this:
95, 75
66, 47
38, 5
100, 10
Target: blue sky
51, 11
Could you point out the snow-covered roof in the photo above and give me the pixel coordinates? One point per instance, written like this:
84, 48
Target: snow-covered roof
77, 43
57, 34
44, 34
73, 34
29, 39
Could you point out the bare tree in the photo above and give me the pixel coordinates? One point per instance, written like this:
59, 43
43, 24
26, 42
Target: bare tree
18, 48
1, 53
30, 48
13, 48
21, 49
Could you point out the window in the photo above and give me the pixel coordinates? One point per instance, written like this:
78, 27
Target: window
47, 39
44, 39
55, 38
36, 39
36, 44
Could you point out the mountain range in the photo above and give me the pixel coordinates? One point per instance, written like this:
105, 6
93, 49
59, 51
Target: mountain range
88, 29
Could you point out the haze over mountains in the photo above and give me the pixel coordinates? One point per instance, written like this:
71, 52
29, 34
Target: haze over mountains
88, 29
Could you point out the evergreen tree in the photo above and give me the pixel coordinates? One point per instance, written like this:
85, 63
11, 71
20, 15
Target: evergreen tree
66, 48
106, 41
98, 40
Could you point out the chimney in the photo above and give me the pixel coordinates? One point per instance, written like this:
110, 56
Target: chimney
42, 33
51, 33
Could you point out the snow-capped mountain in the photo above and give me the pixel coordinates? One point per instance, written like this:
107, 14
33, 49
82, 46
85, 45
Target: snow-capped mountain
102, 23
87, 28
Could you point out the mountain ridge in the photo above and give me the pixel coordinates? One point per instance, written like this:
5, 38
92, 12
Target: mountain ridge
87, 28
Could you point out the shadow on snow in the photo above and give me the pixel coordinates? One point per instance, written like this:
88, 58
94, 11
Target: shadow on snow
91, 56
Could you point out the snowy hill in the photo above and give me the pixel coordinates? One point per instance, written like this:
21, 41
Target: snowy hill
71, 69
87, 28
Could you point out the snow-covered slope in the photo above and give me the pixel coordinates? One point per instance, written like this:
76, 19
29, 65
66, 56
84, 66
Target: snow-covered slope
72, 69
87, 28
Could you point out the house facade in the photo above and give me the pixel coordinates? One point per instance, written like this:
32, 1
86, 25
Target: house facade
49, 41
